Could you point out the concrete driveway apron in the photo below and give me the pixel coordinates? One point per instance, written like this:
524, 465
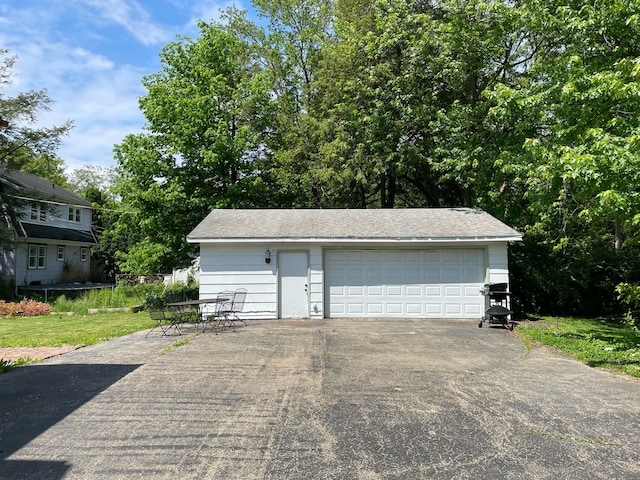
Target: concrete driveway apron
337, 399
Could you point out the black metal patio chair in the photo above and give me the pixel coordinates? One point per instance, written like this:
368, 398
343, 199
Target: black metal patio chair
239, 297
222, 316
165, 320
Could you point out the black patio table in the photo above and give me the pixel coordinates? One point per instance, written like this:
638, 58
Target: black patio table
190, 311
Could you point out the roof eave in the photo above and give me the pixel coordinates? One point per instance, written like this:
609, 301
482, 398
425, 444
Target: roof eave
253, 240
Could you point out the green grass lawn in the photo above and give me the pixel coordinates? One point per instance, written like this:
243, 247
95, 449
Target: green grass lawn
57, 330
602, 343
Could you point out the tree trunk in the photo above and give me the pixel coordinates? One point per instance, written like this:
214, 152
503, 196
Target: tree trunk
618, 235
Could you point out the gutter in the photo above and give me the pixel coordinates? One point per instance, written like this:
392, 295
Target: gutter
325, 241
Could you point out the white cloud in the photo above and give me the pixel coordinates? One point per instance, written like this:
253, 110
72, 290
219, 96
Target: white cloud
134, 18
91, 60
74, 49
210, 11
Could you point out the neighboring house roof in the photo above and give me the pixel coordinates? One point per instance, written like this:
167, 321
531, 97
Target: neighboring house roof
418, 224
45, 189
29, 187
32, 230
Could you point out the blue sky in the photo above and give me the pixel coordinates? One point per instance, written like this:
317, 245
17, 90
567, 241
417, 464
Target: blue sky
91, 56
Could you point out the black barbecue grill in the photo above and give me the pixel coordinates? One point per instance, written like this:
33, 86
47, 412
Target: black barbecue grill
497, 311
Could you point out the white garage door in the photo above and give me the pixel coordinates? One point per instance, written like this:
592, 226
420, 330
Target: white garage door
410, 283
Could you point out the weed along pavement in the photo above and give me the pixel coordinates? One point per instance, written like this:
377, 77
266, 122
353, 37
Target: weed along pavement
334, 399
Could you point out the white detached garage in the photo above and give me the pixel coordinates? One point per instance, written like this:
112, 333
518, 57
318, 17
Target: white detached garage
420, 263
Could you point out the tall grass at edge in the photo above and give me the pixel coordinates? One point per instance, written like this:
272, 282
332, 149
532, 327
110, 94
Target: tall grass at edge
120, 297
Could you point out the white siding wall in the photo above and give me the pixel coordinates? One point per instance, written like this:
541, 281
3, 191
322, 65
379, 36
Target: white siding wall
498, 268
498, 265
54, 268
58, 216
231, 266
227, 267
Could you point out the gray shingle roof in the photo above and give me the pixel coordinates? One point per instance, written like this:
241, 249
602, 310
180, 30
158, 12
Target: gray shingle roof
45, 189
427, 224
33, 230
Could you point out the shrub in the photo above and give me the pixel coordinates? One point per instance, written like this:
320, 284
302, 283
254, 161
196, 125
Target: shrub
26, 307
630, 295
6, 365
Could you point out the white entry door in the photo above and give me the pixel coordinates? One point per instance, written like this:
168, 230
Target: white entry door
294, 289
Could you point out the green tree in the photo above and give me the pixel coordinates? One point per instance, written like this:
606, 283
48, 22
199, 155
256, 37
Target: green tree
573, 158
207, 113
23, 144
403, 112
95, 184
289, 47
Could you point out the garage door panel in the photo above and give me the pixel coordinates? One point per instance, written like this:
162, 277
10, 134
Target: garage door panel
451, 256
355, 256
453, 310
470, 291
375, 308
394, 290
421, 283
433, 291
433, 275
337, 309
334, 256
471, 256
471, 274
374, 275
356, 308
395, 308
412, 256
393, 255
414, 309
452, 291
374, 290
434, 309
374, 256
393, 274
414, 290
355, 290
473, 310
452, 274
337, 290
354, 273
412, 275
432, 256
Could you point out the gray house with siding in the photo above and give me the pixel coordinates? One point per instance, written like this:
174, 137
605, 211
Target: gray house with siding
419, 263
49, 229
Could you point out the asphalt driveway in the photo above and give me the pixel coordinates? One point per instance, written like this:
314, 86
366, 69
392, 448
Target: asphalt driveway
338, 399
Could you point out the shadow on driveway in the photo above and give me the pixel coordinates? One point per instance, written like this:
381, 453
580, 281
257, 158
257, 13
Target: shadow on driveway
34, 398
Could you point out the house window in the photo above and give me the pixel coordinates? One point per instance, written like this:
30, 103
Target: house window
60, 253
38, 213
74, 214
84, 254
37, 257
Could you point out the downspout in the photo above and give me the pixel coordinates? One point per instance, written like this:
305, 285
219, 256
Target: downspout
15, 270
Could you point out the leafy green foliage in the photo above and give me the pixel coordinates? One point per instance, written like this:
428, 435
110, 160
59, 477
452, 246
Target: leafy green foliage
529, 110
206, 111
124, 296
596, 342
6, 366
23, 144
